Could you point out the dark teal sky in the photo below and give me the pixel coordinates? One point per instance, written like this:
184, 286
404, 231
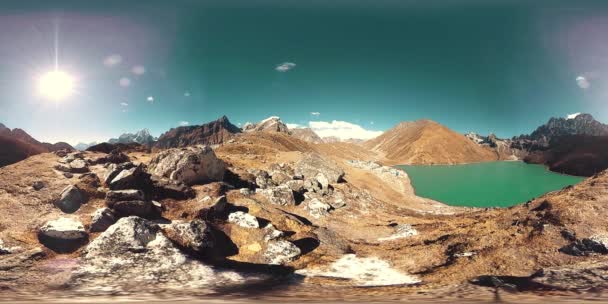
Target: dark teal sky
483, 66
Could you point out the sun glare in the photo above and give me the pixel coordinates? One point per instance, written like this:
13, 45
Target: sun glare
56, 85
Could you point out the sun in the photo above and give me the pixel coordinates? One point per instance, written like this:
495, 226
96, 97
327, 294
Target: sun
56, 85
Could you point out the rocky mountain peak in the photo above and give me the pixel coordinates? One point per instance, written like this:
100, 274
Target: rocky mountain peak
270, 124
211, 133
582, 124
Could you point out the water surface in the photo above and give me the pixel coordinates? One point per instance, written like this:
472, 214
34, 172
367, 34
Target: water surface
490, 184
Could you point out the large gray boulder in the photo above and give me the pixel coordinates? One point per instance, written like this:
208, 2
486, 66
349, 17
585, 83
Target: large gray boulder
71, 199
63, 235
313, 166
133, 178
133, 255
124, 195
190, 165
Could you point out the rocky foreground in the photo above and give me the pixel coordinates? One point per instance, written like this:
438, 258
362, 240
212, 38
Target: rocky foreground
266, 207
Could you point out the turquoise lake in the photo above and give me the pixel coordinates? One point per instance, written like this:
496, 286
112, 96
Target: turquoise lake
490, 184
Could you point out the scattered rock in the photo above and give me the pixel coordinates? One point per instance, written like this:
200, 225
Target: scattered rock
279, 195
101, 219
139, 208
279, 178
338, 203
71, 199
133, 178
63, 235
245, 191
166, 188
312, 164
243, 219
8, 250
263, 179
295, 185
272, 233
584, 247
123, 195
281, 252
401, 231
195, 235
318, 208
189, 165
112, 170
68, 174
134, 252
37, 185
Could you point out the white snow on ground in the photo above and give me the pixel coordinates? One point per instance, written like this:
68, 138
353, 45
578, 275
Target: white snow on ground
573, 116
370, 271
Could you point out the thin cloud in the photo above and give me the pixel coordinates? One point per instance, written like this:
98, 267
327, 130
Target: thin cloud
285, 66
124, 82
124, 104
150, 99
582, 82
294, 126
315, 113
184, 123
138, 70
342, 129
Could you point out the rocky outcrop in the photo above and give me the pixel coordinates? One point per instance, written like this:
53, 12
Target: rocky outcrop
306, 134
63, 235
188, 165
212, 133
270, 124
314, 166
582, 124
134, 252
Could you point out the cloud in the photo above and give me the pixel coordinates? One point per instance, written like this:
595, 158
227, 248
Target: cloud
124, 82
285, 66
315, 113
138, 70
184, 123
342, 129
150, 99
294, 126
112, 60
573, 116
582, 82
124, 104
186, 94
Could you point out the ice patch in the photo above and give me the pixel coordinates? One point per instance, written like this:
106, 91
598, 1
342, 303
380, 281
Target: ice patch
370, 271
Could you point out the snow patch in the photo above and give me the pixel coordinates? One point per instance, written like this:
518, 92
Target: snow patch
370, 271
573, 116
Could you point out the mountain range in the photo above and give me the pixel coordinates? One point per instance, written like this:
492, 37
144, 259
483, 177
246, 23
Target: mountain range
575, 145
17, 145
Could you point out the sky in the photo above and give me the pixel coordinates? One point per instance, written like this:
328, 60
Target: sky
348, 68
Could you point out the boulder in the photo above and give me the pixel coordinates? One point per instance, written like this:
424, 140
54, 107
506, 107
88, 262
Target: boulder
243, 219
189, 165
166, 188
281, 252
263, 179
280, 178
219, 210
135, 254
312, 164
145, 209
78, 166
63, 235
133, 178
101, 219
280, 195
71, 199
114, 196
195, 235
296, 185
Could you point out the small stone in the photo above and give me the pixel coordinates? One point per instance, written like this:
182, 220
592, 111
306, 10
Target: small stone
338, 203
245, 191
195, 235
272, 233
243, 219
281, 195
68, 174
318, 208
37, 185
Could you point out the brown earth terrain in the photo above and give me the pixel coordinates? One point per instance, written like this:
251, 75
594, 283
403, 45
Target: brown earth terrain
369, 215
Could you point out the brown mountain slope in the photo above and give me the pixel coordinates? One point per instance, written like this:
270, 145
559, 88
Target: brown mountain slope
427, 142
16, 145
